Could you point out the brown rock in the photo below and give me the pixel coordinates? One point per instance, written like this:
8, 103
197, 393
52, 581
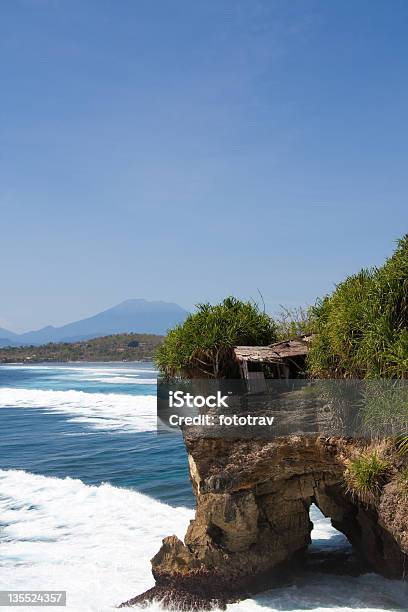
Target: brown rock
252, 518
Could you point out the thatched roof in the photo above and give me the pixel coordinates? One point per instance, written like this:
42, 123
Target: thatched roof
274, 353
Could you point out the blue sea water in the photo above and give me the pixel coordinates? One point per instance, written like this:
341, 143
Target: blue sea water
62, 437
88, 489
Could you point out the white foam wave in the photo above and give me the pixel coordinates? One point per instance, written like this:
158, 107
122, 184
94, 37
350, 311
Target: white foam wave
122, 380
329, 593
323, 534
95, 542
108, 411
75, 368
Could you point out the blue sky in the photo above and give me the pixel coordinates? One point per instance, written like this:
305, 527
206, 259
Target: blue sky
186, 150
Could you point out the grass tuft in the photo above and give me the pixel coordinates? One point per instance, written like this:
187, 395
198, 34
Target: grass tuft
366, 474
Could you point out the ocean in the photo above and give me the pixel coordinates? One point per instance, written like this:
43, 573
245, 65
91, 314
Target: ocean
88, 489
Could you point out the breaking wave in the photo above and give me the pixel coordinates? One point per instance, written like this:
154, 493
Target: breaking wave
95, 542
103, 411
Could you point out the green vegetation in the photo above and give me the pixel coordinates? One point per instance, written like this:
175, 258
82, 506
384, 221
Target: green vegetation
366, 474
385, 406
362, 328
118, 347
402, 446
361, 331
293, 322
202, 345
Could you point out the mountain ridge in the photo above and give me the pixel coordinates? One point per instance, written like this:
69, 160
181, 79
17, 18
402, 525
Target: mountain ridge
132, 315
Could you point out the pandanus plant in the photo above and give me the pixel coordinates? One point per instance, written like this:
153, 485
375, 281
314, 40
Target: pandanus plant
402, 445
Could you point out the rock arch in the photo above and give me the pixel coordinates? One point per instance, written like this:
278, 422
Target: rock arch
252, 518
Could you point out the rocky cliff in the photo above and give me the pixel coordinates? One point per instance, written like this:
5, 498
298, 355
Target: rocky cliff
252, 517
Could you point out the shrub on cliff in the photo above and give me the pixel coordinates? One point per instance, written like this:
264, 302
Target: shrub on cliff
366, 474
362, 328
202, 345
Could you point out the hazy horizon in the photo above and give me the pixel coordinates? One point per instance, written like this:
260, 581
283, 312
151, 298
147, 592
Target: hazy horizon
189, 151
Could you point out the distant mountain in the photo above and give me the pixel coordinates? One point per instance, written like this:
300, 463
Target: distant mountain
138, 315
6, 341
8, 338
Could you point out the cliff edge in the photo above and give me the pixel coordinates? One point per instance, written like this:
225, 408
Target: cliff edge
252, 518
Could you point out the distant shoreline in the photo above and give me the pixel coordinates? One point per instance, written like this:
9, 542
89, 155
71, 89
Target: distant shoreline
78, 362
116, 348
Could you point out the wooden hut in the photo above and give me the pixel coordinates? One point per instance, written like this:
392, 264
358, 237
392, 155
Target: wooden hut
285, 359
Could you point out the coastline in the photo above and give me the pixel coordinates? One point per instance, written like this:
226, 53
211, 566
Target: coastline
124, 347
79, 361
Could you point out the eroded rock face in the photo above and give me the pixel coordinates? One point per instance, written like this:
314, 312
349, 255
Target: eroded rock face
252, 518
